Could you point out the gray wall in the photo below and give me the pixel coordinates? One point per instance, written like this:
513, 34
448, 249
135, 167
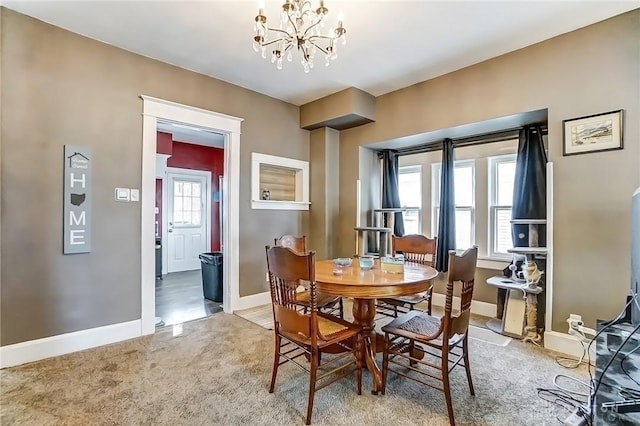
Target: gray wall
594, 69
60, 88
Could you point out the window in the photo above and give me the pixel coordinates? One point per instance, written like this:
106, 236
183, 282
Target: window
410, 190
187, 204
502, 171
464, 188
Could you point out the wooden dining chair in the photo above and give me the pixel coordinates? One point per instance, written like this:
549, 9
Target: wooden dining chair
326, 303
307, 334
445, 338
415, 248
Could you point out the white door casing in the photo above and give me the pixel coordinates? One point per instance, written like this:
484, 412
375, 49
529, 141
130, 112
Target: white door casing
188, 218
154, 109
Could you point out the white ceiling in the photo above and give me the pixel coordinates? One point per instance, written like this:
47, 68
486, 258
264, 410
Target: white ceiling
391, 44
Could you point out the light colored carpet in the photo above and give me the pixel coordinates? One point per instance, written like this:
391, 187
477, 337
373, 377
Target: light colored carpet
216, 371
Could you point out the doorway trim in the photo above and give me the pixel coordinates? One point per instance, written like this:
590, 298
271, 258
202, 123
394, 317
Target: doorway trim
152, 110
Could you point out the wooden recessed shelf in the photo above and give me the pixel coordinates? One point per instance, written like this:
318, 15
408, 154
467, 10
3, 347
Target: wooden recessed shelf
279, 183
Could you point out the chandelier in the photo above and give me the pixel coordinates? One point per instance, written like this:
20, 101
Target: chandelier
299, 28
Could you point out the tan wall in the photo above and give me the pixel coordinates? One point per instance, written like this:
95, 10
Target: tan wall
324, 155
60, 88
588, 71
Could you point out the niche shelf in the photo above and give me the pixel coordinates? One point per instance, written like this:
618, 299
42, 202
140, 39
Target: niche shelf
279, 183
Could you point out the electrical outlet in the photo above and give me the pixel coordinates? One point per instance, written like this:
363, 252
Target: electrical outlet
575, 317
574, 321
266, 276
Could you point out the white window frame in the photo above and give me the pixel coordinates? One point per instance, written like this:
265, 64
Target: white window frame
435, 196
493, 163
413, 169
190, 197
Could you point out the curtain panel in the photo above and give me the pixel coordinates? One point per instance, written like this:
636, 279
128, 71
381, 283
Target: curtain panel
390, 194
530, 185
447, 215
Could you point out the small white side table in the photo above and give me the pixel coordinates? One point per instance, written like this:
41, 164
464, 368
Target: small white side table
520, 308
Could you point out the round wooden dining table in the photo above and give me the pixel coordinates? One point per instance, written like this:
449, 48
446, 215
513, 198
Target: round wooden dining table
365, 286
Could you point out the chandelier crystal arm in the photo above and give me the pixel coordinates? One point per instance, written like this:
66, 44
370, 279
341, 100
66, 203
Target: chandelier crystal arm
311, 27
270, 42
320, 48
278, 30
293, 25
322, 37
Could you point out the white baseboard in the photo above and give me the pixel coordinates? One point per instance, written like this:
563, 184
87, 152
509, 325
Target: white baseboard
477, 307
566, 344
36, 350
247, 302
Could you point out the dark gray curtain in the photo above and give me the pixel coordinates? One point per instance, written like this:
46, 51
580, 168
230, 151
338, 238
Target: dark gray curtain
530, 185
447, 217
390, 194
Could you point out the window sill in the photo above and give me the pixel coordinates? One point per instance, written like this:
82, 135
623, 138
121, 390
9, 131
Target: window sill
492, 263
279, 205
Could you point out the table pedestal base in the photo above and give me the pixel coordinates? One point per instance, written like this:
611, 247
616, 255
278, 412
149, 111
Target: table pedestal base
364, 312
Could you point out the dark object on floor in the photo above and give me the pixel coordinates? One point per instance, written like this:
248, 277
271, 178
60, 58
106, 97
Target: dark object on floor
212, 275
159, 257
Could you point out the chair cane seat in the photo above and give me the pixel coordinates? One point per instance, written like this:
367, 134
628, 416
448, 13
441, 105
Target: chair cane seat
329, 328
419, 325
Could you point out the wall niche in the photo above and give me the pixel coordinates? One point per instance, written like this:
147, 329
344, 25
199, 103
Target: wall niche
279, 183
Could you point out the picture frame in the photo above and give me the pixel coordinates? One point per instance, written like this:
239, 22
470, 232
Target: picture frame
592, 133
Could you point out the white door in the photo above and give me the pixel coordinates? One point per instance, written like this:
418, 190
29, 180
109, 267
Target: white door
189, 218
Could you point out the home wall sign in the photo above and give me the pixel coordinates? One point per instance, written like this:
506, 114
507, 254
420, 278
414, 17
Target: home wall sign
77, 199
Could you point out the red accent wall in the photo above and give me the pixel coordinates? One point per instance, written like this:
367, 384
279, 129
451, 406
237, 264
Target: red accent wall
197, 157
164, 143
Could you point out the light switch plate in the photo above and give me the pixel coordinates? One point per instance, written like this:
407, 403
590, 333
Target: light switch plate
135, 194
122, 194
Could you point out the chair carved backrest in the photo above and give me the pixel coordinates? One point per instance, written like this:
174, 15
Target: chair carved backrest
416, 248
462, 268
287, 269
297, 244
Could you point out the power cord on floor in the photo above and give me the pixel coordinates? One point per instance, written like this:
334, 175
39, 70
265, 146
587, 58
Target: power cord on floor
572, 363
585, 384
564, 400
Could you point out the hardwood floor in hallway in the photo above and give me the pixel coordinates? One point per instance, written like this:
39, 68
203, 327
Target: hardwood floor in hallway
179, 298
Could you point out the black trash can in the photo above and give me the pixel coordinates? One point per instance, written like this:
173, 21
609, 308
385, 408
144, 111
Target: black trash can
212, 275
